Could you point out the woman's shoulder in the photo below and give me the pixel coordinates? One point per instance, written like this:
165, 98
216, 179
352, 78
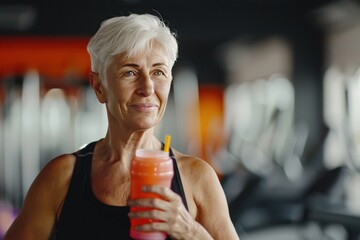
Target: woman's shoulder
61, 165
55, 176
191, 166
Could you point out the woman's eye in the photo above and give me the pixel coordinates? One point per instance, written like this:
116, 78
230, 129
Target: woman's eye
159, 73
129, 74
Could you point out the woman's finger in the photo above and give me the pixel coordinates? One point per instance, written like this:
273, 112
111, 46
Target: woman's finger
149, 214
149, 202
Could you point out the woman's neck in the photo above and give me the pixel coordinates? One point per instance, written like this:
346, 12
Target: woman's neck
121, 147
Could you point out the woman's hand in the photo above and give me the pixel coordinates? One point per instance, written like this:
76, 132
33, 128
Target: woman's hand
175, 219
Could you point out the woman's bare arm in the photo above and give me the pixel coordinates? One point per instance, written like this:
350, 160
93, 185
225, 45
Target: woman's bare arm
37, 218
212, 207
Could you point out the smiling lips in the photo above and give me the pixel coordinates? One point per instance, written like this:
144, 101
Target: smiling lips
144, 107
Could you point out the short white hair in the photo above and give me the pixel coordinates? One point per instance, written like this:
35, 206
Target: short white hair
130, 34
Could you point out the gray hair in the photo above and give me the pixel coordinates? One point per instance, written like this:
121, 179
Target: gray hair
130, 34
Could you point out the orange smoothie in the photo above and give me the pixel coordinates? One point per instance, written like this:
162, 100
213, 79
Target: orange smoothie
149, 167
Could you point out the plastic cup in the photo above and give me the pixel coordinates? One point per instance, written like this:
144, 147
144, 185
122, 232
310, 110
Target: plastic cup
149, 167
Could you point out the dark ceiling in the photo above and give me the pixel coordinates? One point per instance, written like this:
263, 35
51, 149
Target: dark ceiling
192, 19
201, 25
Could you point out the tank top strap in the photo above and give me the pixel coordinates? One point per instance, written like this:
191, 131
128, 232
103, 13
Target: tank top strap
176, 183
79, 185
83, 165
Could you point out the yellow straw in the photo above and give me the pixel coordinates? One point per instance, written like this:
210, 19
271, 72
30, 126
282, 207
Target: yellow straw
167, 143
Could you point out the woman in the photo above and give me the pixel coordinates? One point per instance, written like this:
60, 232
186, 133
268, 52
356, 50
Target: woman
85, 195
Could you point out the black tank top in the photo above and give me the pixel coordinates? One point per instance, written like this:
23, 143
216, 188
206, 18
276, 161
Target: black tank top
83, 216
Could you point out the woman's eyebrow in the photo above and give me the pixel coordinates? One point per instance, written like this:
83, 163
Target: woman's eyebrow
137, 65
129, 65
159, 64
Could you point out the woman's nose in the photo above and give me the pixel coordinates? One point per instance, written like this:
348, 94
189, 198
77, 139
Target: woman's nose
145, 86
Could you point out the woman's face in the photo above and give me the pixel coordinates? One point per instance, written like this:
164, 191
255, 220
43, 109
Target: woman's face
137, 87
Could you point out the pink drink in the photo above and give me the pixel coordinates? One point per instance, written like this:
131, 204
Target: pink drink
149, 167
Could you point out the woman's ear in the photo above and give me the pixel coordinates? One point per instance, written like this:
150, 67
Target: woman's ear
97, 86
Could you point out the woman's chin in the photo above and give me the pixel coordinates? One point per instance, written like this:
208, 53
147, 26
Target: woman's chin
144, 125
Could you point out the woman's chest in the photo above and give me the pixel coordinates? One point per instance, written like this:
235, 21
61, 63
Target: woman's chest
111, 186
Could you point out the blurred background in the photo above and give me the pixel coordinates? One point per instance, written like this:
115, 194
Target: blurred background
266, 91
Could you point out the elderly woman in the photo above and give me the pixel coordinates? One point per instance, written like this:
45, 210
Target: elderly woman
85, 195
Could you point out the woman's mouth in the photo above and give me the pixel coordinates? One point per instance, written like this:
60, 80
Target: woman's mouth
144, 107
